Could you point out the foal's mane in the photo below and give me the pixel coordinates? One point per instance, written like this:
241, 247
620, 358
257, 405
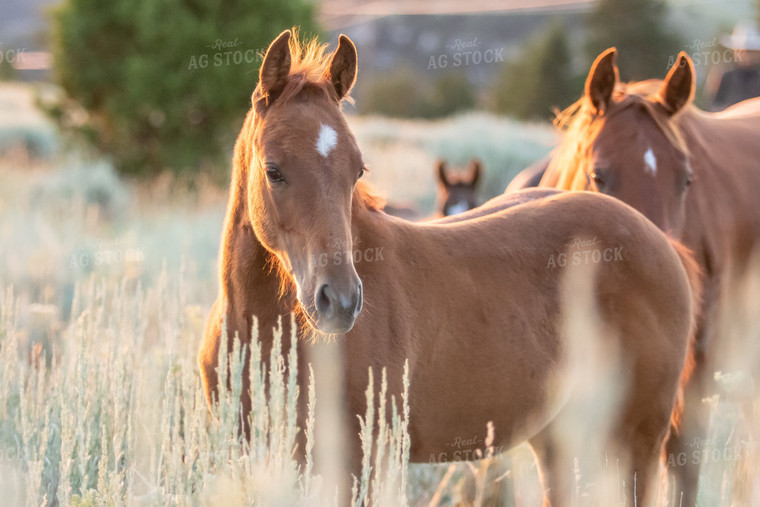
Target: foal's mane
366, 197
581, 122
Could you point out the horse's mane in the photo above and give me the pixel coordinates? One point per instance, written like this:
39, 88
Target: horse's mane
366, 197
581, 123
309, 68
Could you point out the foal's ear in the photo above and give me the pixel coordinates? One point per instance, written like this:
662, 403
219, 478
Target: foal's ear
276, 66
679, 87
343, 67
475, 170
602, 79
440, 168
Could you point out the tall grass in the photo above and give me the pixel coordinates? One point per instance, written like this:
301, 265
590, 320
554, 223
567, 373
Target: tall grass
118, 417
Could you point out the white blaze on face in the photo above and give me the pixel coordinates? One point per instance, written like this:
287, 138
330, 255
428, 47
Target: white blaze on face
650, 162
326, 140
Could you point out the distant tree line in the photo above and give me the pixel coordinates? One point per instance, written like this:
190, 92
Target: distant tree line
543, 78
164, 85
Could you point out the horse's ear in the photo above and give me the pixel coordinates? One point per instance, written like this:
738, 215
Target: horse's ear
602, 79
679, 87
343, 67
475, 171
440, 168
275, 68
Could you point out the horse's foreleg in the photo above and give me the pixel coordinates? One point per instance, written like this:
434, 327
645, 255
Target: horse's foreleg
208, 360
554, 471
208, 356
680, 447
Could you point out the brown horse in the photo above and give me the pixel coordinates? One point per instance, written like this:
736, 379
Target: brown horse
470, 303
695, 175
457, 194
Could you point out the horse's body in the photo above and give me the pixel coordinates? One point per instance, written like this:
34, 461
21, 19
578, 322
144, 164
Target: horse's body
644, 143
469, 301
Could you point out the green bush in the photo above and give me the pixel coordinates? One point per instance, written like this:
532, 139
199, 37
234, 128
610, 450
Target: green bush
402, 93
159, 85
638, 28
540, 81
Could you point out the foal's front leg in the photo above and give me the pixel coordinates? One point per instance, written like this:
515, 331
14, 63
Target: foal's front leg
693, 428
555, 470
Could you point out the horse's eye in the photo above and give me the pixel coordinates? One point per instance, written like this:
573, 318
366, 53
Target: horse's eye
689, 180
598, 179
361, 172
274, 174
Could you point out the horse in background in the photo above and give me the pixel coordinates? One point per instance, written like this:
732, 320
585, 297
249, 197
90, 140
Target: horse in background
696, 175
455, 193
296, 206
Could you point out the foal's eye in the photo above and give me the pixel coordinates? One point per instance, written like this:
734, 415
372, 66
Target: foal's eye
361, 172
689, 180
273, 174
598, 179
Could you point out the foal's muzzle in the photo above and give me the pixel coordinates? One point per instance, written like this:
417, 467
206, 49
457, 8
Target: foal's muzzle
336, 307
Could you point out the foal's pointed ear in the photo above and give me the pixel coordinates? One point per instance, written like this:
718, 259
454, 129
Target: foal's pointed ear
680, 83
343, 67
440, 168
602, 79
475, 171
274, 70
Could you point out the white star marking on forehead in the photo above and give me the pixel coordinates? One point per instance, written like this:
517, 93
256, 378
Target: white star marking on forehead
650, 162
326, 140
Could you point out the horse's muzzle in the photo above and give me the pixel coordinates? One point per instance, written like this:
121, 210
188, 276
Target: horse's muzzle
337, 307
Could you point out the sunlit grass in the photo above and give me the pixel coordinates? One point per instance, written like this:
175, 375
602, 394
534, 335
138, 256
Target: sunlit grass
119, 416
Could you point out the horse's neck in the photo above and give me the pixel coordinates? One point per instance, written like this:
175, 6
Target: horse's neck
369, 226
720, 201
250, 287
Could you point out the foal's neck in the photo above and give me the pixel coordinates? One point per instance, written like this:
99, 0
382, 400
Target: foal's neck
250, 284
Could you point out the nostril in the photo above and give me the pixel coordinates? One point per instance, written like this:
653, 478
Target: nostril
324, 299
360, 300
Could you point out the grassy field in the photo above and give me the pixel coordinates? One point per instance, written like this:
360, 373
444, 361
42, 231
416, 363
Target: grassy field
104, 290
